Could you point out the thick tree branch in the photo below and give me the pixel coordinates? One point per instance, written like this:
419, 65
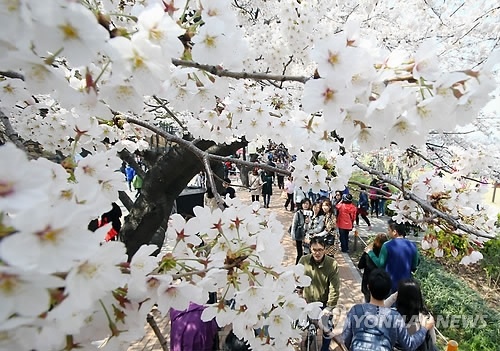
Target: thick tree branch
126, 200
200, 153
221, 72
425, 204
164, 181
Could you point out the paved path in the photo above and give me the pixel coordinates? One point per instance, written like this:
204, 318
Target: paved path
350, 291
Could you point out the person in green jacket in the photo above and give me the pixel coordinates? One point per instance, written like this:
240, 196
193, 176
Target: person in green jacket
325, 282
399, 256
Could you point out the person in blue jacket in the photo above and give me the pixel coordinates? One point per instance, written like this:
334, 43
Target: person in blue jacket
399, 256
129, 176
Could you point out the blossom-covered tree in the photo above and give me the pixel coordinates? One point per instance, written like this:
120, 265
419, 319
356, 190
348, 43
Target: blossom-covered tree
342, 79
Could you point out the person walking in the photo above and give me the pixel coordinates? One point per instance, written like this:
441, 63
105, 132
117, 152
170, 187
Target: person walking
297, 229
374, 200
363, 206
298, 196
346, 215
330, 225
325, 281
255, 184
129, 175
409, 302
267, 188
280, 176
373, 326
399, 256
137, 184
366, 264
385, 195
314, 225
289, 188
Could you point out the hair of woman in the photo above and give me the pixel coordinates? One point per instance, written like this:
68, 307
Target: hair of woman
410, 301
380, 239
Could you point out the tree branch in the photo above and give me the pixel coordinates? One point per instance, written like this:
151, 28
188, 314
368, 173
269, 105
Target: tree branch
10, 132
163, 341
425, 205
221, 72
126, 200
200, 153
170, 113
11, 74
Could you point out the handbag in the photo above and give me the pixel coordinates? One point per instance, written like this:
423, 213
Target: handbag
330, 239
284, 195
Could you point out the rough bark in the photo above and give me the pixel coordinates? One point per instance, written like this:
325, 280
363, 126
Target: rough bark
161, 186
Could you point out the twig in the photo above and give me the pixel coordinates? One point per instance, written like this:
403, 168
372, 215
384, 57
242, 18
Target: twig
218, 198
11, 74
171, 114
163, 341
466, 33
285, 66
221, 72
11, 133
434, 11
458, 8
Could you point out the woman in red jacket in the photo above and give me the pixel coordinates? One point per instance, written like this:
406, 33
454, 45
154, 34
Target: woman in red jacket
346, 215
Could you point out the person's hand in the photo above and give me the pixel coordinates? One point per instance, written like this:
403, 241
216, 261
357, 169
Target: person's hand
325, 312
429, 322
324, 321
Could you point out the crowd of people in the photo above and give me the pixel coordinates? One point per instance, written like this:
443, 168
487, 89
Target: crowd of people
321, 221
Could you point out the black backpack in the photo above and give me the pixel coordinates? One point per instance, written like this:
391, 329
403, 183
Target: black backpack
369, 338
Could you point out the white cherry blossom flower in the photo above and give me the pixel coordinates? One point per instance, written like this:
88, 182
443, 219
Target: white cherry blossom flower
23, 184
72, 28
25, 294
121, 97
97, 274
50, 237
327, 95
182, 231
426, 61
159, 28
334, 58
178, 295
210, 43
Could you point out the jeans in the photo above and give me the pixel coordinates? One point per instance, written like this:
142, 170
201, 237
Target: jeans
344, 239
289, 200
267, 200
381, 207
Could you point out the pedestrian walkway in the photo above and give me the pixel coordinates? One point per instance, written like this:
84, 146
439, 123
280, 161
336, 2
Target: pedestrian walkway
350, 291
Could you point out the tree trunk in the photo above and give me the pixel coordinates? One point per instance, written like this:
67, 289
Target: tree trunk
161, 186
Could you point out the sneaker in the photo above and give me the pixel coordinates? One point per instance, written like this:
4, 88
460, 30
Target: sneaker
369, 227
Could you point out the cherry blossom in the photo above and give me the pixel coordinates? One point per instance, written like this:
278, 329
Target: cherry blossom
73, 73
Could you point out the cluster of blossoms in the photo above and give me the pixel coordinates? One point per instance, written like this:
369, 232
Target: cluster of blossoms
61, 286
71, 68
